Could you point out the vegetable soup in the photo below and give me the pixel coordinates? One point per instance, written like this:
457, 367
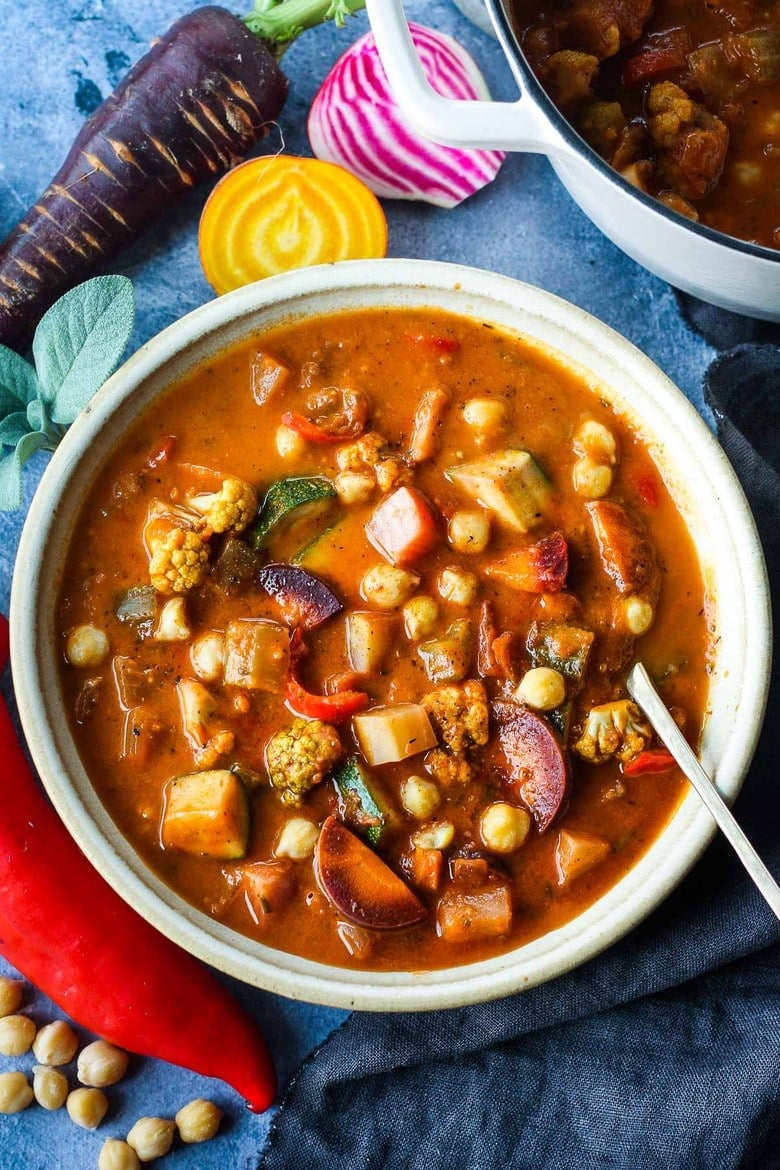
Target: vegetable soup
345, 629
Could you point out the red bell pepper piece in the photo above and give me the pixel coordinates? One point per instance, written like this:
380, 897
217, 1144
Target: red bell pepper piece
66, 930
308, 430
332, 708
649, 762
439, 344
663, 53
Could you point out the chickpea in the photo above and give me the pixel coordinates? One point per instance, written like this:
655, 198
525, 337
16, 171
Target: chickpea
87, 1107
354, 487
289, 443
297, 839
420, 797
594, 439
486, 416
469, 530
542, 689
86, 646
117, 1155
11, 991
151, 1137
591, 480
388, 587
198, 1121
16, 1035
420, 616
101, 1064
439, 835
56, 1043
504, 827
50, 1087
639, 615
207, 655
15, 1092
458, 586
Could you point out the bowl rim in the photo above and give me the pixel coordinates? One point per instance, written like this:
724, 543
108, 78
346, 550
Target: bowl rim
510, 43
37, 687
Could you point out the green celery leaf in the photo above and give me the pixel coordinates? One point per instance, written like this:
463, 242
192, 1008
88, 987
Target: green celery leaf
18, 381
80, 341
14, 427
11, 469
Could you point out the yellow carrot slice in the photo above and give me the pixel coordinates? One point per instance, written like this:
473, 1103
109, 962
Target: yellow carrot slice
272, 214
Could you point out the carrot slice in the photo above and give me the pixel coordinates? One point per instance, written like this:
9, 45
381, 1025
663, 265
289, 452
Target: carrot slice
273, 214
359, 884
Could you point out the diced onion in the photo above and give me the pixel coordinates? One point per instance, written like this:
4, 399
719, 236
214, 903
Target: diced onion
354, 121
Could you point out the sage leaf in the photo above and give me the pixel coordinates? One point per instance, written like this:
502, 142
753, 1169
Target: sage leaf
11, 469
14, 427
18, 381
79, 342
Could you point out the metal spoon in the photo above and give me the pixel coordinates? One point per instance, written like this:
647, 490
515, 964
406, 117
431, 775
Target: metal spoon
644, 693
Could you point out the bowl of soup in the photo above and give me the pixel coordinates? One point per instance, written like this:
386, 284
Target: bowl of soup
321, 622
660, 119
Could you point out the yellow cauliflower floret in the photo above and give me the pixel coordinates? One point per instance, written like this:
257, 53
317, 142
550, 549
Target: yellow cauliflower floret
391, 473
459, 714
364, 452
670, 109
231, 508
448, 768
613, 729
178, 560
300, 756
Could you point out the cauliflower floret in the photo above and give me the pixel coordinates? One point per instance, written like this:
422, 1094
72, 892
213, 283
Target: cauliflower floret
459, 714
178, 560
391, 473
448, 768
231, 508
364, 452
300, 756
613, 729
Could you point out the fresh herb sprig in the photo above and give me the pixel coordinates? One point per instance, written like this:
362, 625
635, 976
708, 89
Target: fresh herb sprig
77, 344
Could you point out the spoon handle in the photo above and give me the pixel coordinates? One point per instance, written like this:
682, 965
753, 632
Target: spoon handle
642, 690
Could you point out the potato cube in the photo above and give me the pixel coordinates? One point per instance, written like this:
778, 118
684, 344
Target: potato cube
369, 637
576, 853
257, 655
388, 734
207, 813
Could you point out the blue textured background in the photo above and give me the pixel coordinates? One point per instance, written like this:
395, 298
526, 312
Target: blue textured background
60, 58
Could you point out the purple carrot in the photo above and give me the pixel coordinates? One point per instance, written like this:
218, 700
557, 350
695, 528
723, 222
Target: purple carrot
189, 110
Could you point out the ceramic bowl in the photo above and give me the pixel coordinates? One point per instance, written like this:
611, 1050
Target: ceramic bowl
731, 273
693, 466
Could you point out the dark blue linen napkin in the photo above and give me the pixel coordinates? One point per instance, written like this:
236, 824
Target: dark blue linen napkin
664, 1052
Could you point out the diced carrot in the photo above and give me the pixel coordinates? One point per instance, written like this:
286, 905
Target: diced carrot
404, 526
470, 871
267, 886
425, 868
482, 912
487, 633
650, 762
508, 651
537, 568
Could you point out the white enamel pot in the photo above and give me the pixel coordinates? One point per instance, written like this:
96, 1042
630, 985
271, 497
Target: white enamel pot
692, 464
725, 271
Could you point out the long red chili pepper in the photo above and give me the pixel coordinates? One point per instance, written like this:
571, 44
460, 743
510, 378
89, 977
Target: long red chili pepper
66, 930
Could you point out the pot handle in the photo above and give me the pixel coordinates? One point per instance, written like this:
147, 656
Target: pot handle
519, 125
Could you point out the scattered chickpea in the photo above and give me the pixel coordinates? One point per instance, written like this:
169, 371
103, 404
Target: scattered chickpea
86, 646
289, 443
594, 439
420, 616
420, 797
207, 655
388, 587
50, 1086
16, 1035
151, 1137
101, 1064
746, 173
117, 1155
198, 1121
542, 689
56, 1043
457, 586
639, 615
297, 839
469, 530
15, 1092
504, 827
439, 835
87, 1107
592, 480
354, 487
486, 416
11, 991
